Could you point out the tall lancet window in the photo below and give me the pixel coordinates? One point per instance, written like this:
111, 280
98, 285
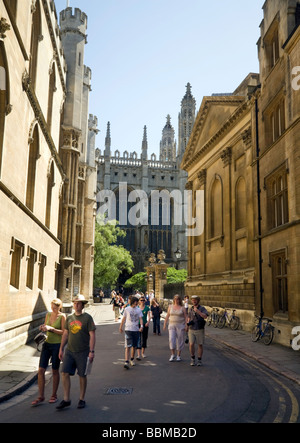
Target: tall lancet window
34, 45
52, 89
4, 97
50, 185
31, 173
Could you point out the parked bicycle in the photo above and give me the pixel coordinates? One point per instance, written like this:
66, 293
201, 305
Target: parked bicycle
263, 330
213, 318
230, 319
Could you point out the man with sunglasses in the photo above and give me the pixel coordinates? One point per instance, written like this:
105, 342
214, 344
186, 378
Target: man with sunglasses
196, 322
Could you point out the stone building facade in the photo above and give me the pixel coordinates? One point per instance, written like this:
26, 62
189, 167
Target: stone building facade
35, 177
147, 173
244, 154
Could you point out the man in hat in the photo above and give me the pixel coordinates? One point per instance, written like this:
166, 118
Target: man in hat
196, 321
79, 335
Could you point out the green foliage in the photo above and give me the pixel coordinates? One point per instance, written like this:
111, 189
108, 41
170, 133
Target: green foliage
137, 282
176, 275
110, 259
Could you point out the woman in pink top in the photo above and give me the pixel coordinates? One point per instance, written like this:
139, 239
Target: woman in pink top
176, 316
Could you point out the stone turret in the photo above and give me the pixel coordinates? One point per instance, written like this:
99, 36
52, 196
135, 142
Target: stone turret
168, 144
73, 36
186, 120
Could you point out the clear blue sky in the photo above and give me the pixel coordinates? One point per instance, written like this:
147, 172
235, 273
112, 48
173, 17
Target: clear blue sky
143, 53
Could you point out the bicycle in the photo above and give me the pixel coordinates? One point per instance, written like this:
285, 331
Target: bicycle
232, 320
263, 330
213, 318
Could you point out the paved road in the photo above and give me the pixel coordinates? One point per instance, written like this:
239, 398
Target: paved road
229, 388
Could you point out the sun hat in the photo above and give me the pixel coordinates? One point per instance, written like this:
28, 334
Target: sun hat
80, 297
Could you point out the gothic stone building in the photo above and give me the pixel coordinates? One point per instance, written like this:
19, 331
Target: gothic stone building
47, 168
244, 154
147, 173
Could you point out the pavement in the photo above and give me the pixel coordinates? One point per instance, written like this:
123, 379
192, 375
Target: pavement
18, 370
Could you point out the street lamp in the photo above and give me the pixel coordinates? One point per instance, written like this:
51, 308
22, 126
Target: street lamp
178, 256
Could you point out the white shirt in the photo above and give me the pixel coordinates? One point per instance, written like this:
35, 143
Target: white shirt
132, 318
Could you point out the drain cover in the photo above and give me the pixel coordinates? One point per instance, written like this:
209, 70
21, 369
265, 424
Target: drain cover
118, 391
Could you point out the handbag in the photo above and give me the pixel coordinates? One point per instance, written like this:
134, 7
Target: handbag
39, 339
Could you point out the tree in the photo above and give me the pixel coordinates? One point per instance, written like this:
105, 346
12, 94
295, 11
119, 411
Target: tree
137, 282
176, 275
110, 260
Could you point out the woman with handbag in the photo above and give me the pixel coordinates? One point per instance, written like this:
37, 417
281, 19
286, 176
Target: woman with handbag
54, 327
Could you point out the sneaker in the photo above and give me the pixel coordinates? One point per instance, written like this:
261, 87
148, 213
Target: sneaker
138, 358
126, 366
178, 358
63, 404
81, 404
199, 363
172, 358
192, 362
132, 363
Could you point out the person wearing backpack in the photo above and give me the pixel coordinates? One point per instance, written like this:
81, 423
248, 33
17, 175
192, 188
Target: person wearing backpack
196, 322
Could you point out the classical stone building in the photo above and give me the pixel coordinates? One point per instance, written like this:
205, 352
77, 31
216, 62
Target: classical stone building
279, 163
244, 154
38, 183
147, 173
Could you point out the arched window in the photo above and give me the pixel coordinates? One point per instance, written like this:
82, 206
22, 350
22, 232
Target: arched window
52, 89
31, 174
216, 202
4, 96
240, 204
35, 37
13, 4
50, 184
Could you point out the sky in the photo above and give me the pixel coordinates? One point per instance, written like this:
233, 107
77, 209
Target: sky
142, 53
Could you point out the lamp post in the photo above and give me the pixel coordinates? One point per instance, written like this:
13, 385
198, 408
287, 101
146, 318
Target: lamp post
178, 254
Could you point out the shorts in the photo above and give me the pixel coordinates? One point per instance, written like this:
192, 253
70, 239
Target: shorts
75, 360
196, 336
50, 351
131, 339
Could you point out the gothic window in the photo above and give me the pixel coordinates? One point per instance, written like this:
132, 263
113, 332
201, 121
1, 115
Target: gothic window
4, 93
17, 253
271, 42
277, 198
13, 4
35, 37
52, 89
240, 204
279, 281
50, 184
42, 265
275, 121
31, 172
31, 259
216, 209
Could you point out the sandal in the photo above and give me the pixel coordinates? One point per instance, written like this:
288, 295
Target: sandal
38, 401
53, 399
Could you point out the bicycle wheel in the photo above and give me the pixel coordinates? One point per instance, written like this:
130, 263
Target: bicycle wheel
234, 323
208, 321
268, 335
221, 322
215, 320
255, 333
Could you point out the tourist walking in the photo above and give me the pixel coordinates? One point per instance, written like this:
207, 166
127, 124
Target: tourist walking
177, 319
54, 327
133, 322
196, 321
155, 315
142, 344
79, 335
